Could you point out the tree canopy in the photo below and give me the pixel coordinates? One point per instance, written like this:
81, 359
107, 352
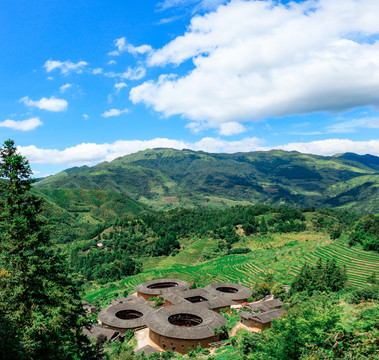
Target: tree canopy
39, 300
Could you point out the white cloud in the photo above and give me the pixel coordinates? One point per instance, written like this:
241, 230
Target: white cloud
23, 125
372, 123
258, 59
51, 104
334, 146
123, 46
114, 112
130, 74
119, 86
351, 125
231, 128
97, 71
90, 153
116, 90
65, 66
64, 87
85, 116
207, 5
111, 62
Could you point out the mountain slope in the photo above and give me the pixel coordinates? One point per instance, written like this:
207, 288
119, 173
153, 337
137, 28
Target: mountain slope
169, 178
73, 213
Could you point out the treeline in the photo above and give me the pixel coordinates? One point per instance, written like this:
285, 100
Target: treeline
222, 223
366, 233
322, 277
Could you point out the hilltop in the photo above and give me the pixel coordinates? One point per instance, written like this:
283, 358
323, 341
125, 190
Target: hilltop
168, 178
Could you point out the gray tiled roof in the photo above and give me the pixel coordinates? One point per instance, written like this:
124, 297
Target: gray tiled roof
158, 322
96, 331
273, 303
144, 287
241, 294
264, 317
147, 350
108, 316
258, 307
210, 301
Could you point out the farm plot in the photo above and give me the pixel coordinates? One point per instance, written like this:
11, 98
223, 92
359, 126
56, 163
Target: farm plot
359, 264
233, 268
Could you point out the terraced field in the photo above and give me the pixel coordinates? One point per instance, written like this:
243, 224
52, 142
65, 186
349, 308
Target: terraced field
232, 268
284, 258
359, 264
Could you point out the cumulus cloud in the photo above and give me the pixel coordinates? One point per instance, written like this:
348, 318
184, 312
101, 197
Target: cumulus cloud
259, 59
64, 87
49, 104
65, 67
23, 125
334, 146
231, 128
123, 46
114, 112
85, 116
90, 153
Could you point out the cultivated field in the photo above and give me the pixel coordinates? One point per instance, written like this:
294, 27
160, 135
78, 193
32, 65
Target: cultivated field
283, 254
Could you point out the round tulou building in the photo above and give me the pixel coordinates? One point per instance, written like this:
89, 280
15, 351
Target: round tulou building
180, 327
130, 315
154, 288
232, 291
188, 319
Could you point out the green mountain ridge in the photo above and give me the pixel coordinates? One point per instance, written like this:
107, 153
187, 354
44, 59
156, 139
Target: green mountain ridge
75, 213
167, 178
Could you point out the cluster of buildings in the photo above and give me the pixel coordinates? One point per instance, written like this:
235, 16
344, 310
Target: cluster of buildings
188, 318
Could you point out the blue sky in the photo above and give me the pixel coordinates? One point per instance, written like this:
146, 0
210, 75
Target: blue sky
88, 81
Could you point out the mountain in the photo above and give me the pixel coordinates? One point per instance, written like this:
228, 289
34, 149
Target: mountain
166, 178
368, 160
76, 213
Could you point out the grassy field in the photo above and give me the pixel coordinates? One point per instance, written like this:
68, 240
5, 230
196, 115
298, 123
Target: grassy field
283, 254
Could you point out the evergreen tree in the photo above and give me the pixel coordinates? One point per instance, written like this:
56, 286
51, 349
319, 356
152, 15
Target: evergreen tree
38, 298
372, 279
263, 229
322, 277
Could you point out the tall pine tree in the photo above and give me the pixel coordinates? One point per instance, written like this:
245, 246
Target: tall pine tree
38, 298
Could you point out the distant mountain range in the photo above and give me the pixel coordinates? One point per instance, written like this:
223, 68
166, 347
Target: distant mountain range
166, 178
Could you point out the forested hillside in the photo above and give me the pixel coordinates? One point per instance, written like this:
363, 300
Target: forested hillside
166, 178
239, 244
